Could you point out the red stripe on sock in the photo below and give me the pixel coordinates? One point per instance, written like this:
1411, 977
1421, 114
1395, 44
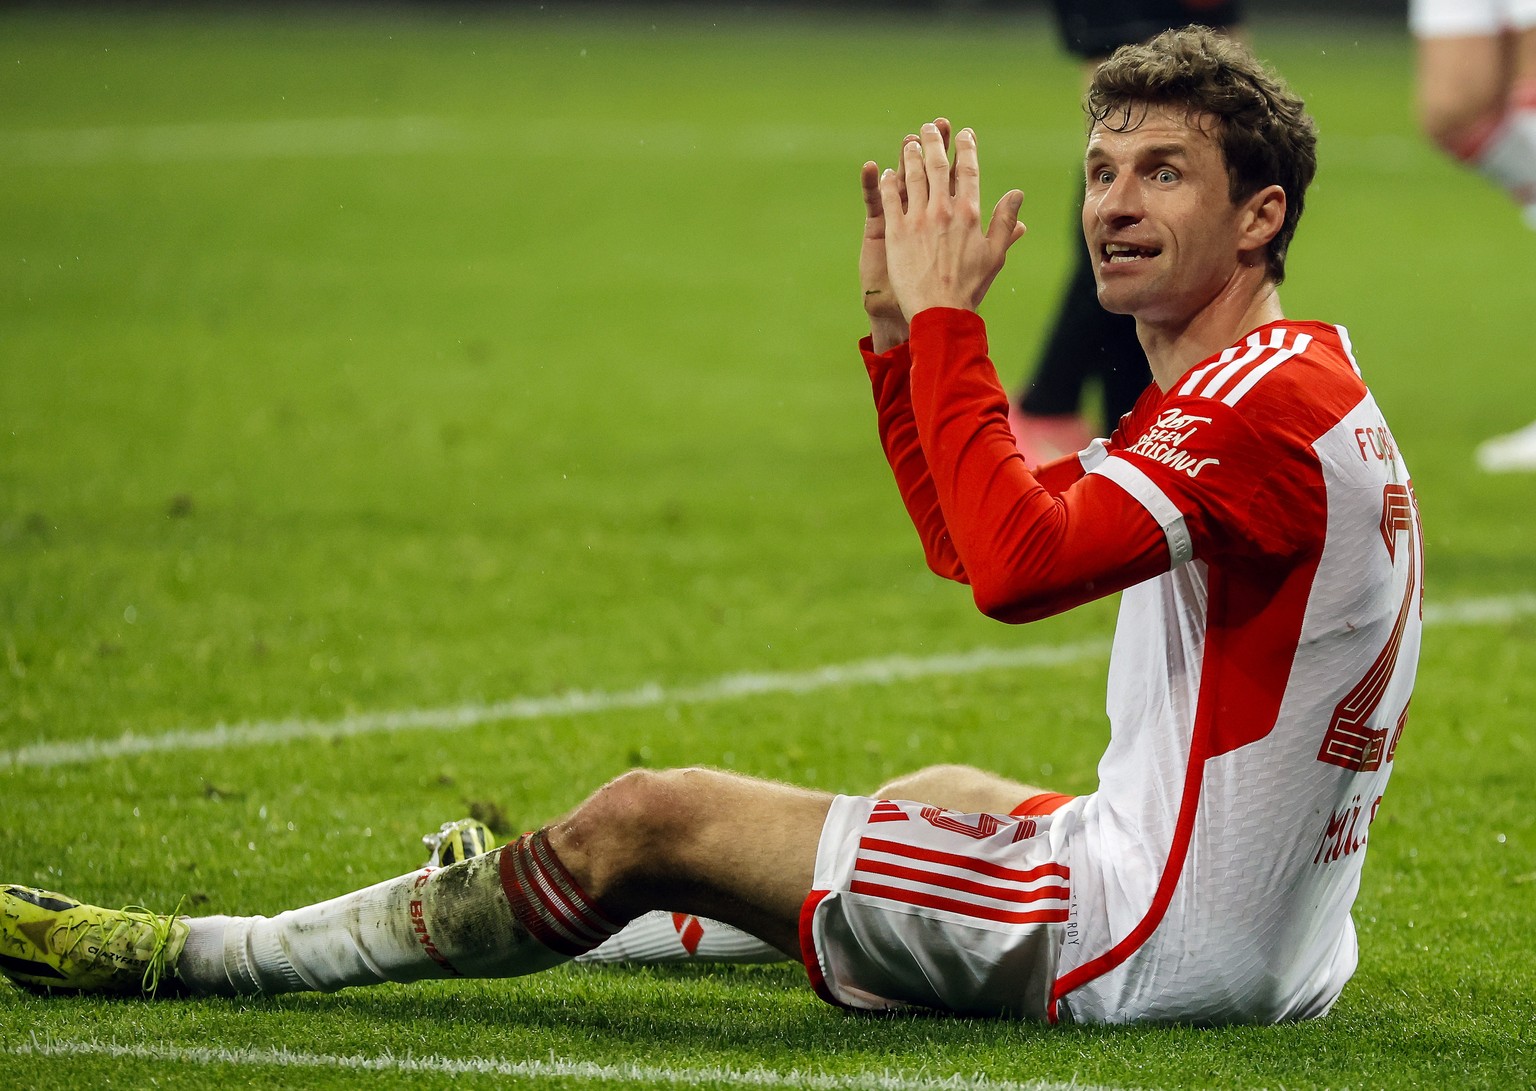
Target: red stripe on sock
518, 887
564, 886
546, 900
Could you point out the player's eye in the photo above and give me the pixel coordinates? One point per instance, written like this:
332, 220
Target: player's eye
1166, 175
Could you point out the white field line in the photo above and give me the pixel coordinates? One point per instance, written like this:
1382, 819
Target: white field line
732, 687
310, 138
550, 1068
1489, 611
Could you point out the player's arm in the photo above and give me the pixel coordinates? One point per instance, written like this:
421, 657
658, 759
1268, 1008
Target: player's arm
888, 376
886, 359
1026, 551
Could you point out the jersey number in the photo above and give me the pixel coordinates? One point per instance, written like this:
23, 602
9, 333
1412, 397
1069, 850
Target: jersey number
1351, 742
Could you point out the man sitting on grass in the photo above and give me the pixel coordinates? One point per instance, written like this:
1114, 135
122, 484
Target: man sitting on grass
1254, 509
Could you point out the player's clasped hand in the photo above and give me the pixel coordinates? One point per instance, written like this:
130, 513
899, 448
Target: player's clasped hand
936, 252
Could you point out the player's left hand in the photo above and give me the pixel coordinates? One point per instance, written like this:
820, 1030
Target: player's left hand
888, 326
936, 252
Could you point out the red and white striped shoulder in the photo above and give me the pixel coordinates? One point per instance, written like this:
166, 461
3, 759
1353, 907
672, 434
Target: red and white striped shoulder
1233, 374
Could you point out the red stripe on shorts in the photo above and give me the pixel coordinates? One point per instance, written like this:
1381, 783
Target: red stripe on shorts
954, 882
967, 863
808, 948
954, 905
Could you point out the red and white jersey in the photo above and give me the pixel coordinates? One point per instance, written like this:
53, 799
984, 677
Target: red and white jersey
1260, 520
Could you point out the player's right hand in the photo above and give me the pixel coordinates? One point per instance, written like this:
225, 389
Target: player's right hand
938, 253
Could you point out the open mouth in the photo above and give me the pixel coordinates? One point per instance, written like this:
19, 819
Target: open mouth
1119, 253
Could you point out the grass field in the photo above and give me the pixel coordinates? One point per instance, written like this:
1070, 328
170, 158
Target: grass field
406, 412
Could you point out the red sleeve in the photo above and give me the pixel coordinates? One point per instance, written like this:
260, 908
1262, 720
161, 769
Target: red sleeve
1026, 552
1242, 490
1060, 474
888, 376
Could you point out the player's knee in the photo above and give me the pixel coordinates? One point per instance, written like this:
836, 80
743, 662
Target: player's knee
634, 822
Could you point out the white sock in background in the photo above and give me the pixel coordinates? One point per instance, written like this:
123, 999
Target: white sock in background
681, 937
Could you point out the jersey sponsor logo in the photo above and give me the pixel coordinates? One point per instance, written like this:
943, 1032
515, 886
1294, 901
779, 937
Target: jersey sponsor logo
1163, 441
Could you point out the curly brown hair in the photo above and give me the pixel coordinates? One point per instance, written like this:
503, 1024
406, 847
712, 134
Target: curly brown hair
1262, 127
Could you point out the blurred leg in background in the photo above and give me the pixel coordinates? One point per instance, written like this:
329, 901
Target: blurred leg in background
1477, 101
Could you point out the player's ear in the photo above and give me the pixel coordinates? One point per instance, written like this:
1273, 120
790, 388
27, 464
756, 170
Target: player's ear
1263, 214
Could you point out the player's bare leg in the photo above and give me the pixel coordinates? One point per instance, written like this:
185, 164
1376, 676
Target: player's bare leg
662, 936
707, 842
1462, 84
700, 841
1477, 100
961, 788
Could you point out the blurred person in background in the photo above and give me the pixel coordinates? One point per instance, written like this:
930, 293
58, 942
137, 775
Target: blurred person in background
1086, 344
1477, 101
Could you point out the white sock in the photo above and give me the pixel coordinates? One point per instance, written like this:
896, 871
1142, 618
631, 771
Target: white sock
1507, 155
472, 919
681, 937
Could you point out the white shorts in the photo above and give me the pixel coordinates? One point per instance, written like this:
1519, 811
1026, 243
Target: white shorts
915, 905
1469, 18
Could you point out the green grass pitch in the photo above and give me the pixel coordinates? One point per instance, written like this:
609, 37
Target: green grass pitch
416, 361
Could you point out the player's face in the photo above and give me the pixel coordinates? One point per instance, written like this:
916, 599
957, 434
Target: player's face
1161, 228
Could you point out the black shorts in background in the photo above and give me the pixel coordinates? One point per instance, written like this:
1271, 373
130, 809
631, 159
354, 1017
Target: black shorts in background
1096, 28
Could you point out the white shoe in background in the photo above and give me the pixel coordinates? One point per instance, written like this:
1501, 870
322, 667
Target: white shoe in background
1509, 453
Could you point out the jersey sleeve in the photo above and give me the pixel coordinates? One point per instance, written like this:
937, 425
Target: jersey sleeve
1059, 475
889, 375
1027, 551
1223, 482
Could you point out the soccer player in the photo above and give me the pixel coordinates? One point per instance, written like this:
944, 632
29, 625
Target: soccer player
1477, 101
1256, 511
1087, 344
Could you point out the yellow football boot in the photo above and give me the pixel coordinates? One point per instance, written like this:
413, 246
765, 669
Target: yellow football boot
52, 942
